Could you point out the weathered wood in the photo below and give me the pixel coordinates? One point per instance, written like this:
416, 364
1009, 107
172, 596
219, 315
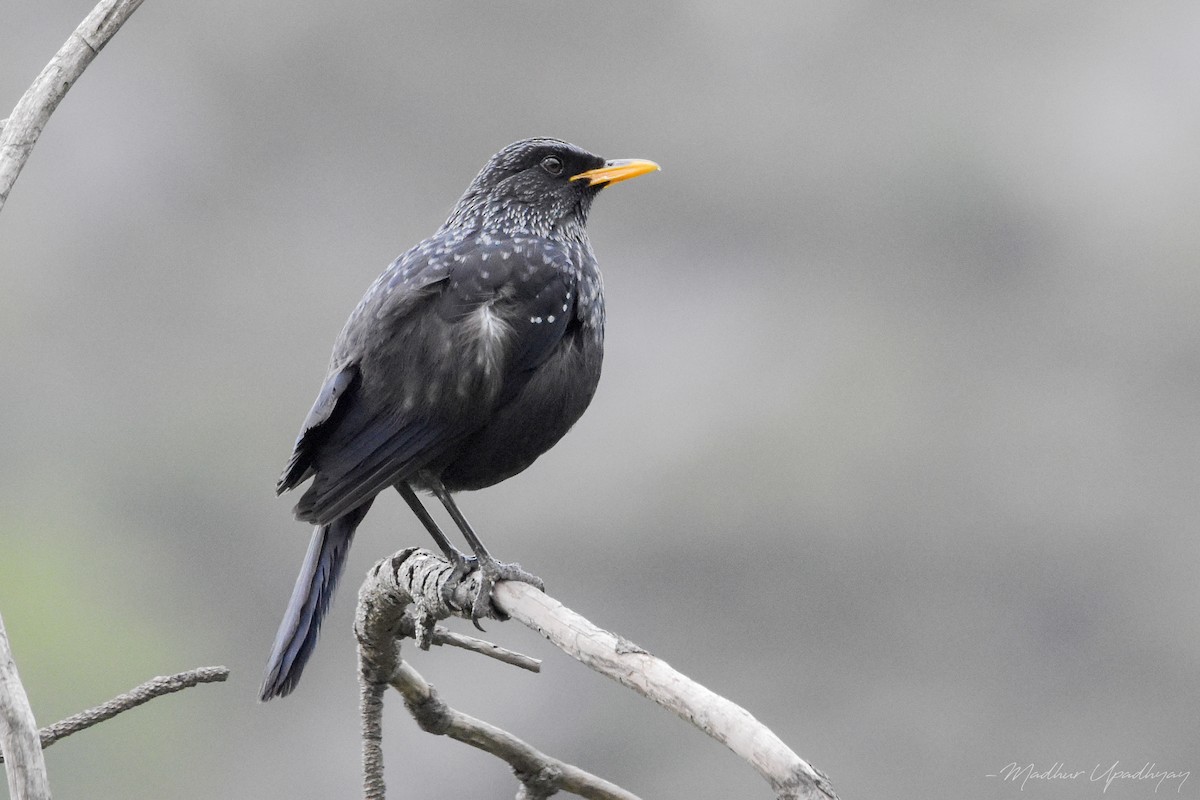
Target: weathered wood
631, 666
19, 740
403, 595
23, 127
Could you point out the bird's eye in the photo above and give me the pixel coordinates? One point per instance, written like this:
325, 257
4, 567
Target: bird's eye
553, 165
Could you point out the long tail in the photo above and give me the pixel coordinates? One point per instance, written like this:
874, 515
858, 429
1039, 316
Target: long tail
310, 600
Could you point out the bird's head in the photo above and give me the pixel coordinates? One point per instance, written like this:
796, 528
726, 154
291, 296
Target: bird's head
543, 187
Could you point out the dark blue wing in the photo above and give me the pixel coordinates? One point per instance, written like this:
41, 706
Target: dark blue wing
353, 443
446, 336
369, 456
316, 427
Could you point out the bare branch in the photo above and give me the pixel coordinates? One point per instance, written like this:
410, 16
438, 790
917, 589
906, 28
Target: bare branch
623, 661
155, 687
144, 693
33, 110
445, 636
371, 708
403, 595
26, 767
540, 775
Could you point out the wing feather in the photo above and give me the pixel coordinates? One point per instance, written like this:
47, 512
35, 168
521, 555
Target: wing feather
316, 427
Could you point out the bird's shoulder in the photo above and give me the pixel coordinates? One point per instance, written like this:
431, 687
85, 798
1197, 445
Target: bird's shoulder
474, 263
508, 274
455, 272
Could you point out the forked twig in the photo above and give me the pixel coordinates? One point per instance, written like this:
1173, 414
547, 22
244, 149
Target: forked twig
540, 775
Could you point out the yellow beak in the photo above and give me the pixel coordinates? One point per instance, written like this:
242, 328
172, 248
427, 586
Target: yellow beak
617, 170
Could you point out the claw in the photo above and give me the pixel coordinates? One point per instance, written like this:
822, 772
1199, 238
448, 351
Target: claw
462, 566
491, 571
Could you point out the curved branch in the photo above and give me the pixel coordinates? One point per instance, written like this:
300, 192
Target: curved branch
540, 775
623, 661
23, 127
25, 765
403, 595
144, 693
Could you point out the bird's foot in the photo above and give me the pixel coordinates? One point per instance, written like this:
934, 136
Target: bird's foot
491, 571
461, 566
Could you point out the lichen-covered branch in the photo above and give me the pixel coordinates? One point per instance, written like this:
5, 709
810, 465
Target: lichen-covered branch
540, 775
143, 693
24, 764
23, 127
403, 596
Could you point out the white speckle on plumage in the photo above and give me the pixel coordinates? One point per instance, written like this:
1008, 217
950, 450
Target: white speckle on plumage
535, 320
504, 254
483, 273
483, 256
550, 318
491, 339
564, 308
491, 327
433, 391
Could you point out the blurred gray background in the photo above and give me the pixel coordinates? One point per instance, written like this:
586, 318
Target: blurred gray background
898, 438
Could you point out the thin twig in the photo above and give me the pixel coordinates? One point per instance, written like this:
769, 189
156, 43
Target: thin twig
144, 693
445, 636
26, 768
33, 110
540, 775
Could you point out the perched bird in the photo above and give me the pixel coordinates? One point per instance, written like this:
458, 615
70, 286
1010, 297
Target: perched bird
469, 357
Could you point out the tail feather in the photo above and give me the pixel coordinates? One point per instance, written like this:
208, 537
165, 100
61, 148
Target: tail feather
310, 600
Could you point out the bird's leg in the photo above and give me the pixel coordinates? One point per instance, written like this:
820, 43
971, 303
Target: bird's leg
490, 570
462, 563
